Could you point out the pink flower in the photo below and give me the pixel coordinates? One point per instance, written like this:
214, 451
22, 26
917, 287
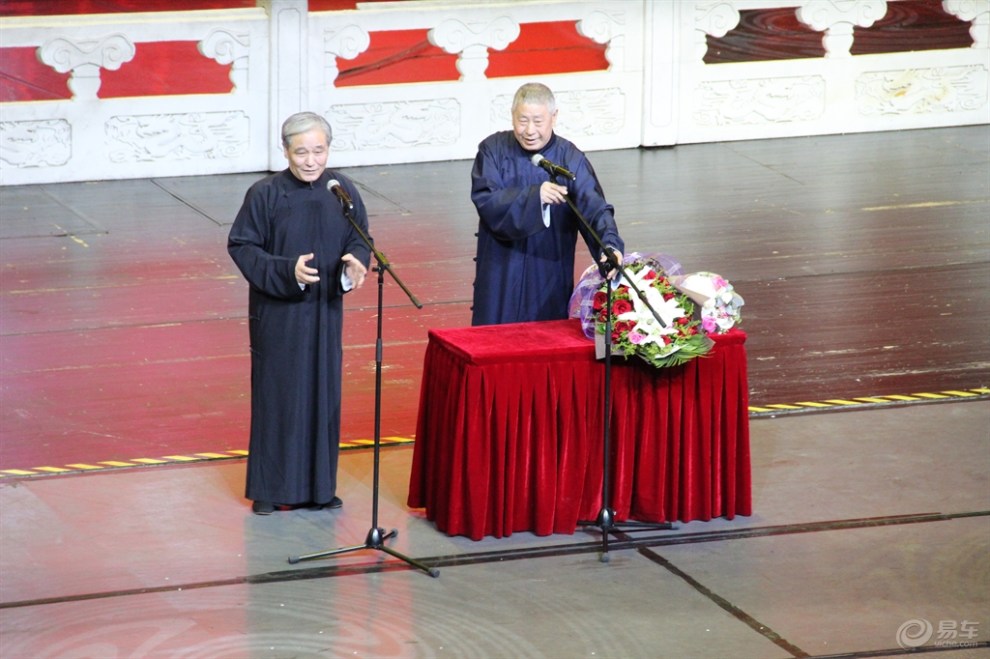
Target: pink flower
708, 324
635, 338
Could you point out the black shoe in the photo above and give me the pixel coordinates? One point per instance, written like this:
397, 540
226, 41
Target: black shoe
262, 507
332, 504
335, 502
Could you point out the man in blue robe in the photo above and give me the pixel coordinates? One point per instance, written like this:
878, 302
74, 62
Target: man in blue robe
527, 233
299, 254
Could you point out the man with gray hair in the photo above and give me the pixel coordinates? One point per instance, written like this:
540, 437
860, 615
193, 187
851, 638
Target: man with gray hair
527, 232
299, 255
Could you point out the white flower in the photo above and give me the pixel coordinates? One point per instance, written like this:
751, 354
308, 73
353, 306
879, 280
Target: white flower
718, 299
646, 323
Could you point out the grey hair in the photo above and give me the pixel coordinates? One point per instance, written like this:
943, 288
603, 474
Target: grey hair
302, 122
534, 93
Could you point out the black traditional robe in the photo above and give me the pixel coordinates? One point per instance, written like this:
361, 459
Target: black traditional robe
525, 270
295, 332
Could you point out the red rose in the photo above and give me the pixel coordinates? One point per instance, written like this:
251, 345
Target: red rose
620, 307
599, 301
650, 274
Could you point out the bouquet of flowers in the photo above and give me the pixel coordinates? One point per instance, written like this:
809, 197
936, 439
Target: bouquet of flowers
720, 304
673, 336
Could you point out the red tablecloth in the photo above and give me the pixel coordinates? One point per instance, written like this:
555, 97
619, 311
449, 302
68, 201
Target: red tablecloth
509, 436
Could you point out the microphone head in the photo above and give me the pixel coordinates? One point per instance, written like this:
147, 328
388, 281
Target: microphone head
333, 183
537, 159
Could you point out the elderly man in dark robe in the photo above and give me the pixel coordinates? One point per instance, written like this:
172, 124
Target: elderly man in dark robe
299, 254
527, 231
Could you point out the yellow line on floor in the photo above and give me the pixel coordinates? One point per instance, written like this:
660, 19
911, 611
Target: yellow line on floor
767, 410
871, 401
176, 459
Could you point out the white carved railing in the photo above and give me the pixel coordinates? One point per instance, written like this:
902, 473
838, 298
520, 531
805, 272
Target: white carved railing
656, 91
445, 120
839, 93
88, 138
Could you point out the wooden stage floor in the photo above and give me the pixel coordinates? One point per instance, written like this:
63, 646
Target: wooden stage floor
863, 260
864, 263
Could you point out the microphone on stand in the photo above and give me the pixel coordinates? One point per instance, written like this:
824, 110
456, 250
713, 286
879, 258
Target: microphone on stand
552, 169
334, 186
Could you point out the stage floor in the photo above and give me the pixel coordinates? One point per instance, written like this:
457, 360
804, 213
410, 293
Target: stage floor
864, 522
864, 263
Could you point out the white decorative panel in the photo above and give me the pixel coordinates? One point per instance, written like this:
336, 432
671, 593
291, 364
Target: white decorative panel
472, 41
922, 91
225, 47
347, 42
397, 124
716, 19
605, 29
45, 143
84, 59
500, 113
168, 137
591, 112
759, 101
977, 13
837, 18
657, 89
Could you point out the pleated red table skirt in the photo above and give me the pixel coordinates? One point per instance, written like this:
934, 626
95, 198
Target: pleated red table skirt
510, 436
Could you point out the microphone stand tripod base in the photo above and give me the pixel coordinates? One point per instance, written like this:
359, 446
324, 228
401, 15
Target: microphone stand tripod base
375, 540
607, 524
376, 536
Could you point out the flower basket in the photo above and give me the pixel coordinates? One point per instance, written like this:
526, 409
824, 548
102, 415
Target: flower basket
677, 332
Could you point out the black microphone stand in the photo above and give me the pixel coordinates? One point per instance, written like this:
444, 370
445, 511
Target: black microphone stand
606, 515
376, 536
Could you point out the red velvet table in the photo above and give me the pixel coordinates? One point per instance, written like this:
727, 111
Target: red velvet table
509, 434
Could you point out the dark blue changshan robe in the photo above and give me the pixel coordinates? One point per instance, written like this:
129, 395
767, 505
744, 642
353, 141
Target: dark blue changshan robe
295, 333
524, 270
